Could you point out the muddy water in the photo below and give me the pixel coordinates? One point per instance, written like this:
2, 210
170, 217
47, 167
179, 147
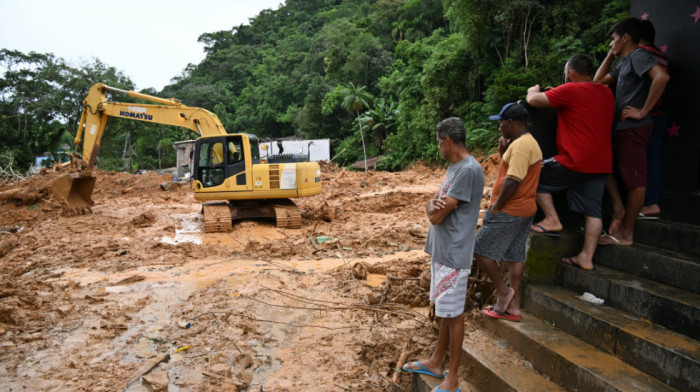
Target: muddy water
166, 286
162, 288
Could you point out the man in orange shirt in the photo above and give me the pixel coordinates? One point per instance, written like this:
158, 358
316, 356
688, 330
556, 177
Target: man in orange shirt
506, 224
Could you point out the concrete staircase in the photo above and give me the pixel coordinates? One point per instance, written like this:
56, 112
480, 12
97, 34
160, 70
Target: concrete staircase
644, 337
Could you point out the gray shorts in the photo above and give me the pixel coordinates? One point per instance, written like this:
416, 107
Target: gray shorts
448, 289
503, 237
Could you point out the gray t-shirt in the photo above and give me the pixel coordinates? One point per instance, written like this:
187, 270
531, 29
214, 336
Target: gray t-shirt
632, 85
451, 242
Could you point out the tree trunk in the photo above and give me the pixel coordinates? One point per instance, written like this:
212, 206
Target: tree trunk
362, 135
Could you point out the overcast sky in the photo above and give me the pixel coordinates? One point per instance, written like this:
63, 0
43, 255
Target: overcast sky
151, 41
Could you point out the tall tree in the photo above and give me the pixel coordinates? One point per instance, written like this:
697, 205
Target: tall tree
356, 98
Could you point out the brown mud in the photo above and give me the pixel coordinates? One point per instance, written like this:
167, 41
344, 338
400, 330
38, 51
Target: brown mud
93, 302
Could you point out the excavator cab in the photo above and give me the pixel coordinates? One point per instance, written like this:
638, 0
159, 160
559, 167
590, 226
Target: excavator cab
221, 158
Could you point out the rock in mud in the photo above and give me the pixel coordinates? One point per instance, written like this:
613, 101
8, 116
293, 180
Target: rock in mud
245, 377
220, 369
359, 271
417, 231
144, 220
156, 382
243, 361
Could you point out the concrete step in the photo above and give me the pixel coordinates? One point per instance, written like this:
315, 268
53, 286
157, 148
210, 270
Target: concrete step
678, 237
569, 361
423, 383
680, 206
673, 308
490, 364
672, 268
654, 350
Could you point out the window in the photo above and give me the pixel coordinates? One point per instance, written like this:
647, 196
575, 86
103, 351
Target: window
211, 159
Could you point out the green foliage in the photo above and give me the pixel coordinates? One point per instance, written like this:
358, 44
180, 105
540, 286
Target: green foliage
312, 69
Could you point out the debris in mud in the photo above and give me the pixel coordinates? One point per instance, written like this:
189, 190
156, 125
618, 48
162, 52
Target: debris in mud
268, 303
359, 271
144, 220
130, 279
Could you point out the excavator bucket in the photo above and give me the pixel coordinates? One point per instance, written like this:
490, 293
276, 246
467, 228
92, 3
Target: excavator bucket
74, 192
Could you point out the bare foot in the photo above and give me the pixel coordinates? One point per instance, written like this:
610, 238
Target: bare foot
614, 240
651, 210
504, 301
513, 308
616, 222
586, 266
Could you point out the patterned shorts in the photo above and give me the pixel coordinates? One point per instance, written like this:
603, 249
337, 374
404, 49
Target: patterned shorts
503, 237
448, 290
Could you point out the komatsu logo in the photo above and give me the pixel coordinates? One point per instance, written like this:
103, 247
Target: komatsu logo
139, 116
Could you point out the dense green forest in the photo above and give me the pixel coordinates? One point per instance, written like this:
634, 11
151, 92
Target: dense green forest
374, 73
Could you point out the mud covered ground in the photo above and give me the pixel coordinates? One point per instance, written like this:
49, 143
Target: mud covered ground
94, 302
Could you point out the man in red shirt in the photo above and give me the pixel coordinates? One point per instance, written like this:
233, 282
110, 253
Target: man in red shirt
585, 112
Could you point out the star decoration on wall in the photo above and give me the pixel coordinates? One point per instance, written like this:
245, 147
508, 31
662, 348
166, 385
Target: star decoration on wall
664, 48
645, 16
696, 15
673, 130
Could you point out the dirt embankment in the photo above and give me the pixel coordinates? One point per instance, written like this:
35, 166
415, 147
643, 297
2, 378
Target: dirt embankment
92, 302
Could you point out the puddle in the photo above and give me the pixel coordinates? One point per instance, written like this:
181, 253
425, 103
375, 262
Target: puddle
190, 230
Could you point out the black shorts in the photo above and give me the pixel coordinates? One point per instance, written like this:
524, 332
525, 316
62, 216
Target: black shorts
584, 191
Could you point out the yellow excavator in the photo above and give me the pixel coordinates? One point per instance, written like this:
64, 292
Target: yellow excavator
228, 173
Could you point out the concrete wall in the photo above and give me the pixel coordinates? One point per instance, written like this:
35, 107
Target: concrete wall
320, 148
677, 25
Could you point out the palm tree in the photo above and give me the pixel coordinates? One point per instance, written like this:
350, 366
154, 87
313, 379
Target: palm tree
356, 98
381, 120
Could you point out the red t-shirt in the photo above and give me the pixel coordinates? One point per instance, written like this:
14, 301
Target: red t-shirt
585, 112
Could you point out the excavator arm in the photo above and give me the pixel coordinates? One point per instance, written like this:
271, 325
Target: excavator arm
97, 110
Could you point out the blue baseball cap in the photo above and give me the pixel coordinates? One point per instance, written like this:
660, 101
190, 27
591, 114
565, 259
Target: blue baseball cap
511, 111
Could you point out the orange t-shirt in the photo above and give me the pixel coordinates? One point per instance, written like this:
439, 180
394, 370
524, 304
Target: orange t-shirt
522, 162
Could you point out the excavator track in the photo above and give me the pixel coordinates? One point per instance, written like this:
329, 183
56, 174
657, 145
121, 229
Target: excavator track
217, 218
288, 215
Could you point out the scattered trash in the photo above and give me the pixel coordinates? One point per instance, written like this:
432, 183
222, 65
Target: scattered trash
347, 248
184, 325
588, 297
323, 239
183, 348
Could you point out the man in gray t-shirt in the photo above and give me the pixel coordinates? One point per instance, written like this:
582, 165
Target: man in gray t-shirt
452, 213
633, 86
450, 242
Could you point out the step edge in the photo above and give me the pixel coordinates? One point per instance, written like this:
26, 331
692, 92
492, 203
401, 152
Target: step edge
643, 324
571, 360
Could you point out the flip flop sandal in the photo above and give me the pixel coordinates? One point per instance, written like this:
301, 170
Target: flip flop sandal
497, 314
422, 370
614, 240
545, 231
570, 261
